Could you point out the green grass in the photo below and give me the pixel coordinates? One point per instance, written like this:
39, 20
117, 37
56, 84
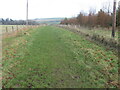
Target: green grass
99, 31
54, 57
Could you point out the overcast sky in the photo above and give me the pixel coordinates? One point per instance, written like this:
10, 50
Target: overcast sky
16, 9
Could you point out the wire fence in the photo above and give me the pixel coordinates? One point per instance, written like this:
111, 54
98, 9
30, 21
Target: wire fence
8, 30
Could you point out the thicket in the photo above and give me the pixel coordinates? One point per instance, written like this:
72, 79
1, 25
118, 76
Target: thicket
103, 18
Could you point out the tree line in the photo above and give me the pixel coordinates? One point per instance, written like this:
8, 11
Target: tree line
16, 22
103, 18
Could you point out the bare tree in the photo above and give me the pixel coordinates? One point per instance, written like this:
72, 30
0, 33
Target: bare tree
107, 7
92, 10
92, 18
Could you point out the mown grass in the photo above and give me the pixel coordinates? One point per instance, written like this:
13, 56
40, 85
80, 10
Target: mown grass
54, 57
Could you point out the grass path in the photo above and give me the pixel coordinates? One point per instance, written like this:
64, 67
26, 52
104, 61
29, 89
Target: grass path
53, 57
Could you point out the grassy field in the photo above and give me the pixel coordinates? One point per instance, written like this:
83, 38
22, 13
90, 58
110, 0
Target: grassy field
57, 58
106, 33
99, 31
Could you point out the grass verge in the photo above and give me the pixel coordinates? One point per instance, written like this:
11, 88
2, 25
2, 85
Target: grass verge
57, 58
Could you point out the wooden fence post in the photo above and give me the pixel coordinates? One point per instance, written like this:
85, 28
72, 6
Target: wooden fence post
6, 29
12, 28
17, 27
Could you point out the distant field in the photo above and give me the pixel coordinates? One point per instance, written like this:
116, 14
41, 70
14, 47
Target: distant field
51, 57
49, 20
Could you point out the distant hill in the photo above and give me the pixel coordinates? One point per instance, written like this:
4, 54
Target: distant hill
49, 20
